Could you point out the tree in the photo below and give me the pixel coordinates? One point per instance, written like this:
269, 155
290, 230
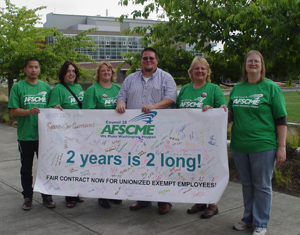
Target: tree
20, 40
178, 66
270, 26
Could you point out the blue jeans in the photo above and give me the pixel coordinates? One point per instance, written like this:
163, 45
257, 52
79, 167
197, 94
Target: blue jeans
256, 172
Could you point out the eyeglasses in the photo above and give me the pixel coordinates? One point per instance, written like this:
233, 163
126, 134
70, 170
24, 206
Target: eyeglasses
148, 58
253, 62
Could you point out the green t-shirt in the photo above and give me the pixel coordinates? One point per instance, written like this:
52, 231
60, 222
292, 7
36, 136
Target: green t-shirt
60, 95
191, 98
99, 97
25, 96
255, 106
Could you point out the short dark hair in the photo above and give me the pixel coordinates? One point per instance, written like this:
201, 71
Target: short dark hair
64, 69
149, 49
31, 59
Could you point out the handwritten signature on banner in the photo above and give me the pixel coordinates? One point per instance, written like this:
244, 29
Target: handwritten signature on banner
167, 155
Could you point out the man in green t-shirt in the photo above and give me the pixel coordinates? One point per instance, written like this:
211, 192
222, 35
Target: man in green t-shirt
26, 99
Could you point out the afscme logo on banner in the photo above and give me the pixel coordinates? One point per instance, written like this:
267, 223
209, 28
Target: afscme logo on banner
133, 129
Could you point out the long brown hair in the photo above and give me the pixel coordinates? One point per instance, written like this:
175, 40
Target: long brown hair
64, 69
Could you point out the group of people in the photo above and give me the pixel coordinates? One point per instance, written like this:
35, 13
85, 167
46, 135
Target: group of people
256, 107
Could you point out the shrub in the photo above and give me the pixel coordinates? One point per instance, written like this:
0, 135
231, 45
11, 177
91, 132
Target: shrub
3, 98
181, 81
6, 117
292, 138
280, 179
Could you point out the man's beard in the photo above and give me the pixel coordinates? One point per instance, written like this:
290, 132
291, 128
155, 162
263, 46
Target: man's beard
148, 69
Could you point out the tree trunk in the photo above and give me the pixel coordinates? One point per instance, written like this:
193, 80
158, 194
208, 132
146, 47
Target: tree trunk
10, 82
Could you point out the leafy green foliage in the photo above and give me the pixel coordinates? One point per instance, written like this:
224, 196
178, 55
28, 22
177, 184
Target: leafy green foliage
289, 82
21, 40
269, 26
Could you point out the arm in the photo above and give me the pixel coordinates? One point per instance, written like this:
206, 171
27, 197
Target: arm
24, 112
164, 103
122, 96
281, 150
121, 106
219, 100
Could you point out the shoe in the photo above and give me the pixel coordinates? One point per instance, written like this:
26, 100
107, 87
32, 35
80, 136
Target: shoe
115, 201
209, 212
48, 202
137, 206
241, 225
70, 204
104, 203
196, 208
27, 204
164, 208
259, 231
79, 199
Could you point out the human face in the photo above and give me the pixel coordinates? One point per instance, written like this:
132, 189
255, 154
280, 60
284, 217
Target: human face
149, 62
32, 70
199, 72
70, 76
253, 64
105, 73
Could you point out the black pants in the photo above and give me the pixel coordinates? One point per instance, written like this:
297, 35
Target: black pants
27, 150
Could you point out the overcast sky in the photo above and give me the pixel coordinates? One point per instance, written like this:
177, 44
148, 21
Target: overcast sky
77, 7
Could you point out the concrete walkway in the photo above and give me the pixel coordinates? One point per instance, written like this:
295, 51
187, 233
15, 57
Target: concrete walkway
89, 218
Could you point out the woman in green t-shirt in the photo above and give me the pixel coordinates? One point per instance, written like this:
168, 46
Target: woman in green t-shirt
257, 108
201, 94
61, 98
103, 95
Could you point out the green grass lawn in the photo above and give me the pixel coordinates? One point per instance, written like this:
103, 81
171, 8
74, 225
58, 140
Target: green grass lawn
292, 99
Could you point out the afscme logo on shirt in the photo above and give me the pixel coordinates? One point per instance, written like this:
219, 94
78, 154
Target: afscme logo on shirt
188, 104
251, 100
195, 103
73, 100
111, 101
35, 99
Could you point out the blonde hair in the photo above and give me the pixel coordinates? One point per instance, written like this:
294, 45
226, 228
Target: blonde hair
113, 76
203, 61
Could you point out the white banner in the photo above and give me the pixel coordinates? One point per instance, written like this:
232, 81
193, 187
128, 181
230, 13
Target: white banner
174, 155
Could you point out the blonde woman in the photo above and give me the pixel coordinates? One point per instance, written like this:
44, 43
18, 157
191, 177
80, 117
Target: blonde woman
201, 94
